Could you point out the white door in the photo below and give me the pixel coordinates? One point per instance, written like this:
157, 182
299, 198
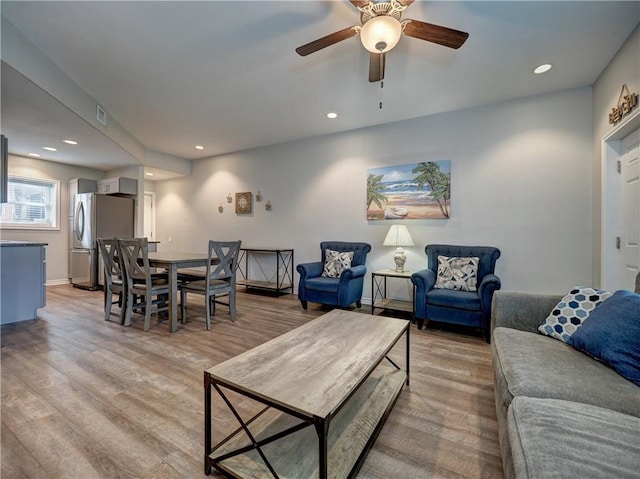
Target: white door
150, 215
630, 209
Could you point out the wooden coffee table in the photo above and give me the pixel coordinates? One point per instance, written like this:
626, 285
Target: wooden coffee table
326, 392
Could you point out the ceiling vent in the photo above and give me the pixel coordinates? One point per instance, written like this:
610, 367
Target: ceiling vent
101, 115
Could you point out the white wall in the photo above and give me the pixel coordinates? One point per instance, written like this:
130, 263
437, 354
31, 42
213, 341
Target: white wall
521, 180
58, 240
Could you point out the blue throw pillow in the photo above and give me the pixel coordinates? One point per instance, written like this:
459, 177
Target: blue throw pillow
611, 333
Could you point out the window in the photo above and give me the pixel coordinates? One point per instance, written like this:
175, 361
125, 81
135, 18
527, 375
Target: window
32, 203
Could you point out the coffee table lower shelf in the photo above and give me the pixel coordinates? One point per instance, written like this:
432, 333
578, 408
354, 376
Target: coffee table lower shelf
351, 434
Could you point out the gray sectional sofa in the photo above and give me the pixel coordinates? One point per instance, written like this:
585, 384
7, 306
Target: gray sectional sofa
561, 413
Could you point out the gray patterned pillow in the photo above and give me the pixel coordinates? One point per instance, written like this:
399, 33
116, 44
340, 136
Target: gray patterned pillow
336, 262
457, 273
569, 314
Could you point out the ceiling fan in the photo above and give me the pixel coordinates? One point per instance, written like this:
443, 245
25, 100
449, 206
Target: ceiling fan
381, 30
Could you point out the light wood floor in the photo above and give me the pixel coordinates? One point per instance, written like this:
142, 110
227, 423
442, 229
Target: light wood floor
84, 398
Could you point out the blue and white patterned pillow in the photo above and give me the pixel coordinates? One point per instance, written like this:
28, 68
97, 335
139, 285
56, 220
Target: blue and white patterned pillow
457, 273
571, 311
336, 262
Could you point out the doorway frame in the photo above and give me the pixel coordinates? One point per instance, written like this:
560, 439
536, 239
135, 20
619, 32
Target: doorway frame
610, 259
152, 194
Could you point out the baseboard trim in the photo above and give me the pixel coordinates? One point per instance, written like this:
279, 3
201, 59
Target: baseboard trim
56, 282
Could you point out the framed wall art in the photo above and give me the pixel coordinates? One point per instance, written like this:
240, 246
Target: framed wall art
417, 191
243, 203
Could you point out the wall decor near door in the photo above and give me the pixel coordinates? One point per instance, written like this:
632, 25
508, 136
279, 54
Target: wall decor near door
243, 203
416, 191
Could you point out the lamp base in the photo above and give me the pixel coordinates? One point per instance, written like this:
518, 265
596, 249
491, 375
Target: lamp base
400, 259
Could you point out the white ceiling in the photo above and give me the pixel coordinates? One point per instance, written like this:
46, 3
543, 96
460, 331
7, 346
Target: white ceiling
224, 74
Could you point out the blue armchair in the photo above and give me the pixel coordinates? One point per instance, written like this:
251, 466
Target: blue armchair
341, 291
468, 308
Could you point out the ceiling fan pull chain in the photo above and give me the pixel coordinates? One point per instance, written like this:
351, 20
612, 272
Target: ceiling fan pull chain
381, 87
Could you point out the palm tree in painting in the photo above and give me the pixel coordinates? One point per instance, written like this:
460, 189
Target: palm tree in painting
429, 173
374, 187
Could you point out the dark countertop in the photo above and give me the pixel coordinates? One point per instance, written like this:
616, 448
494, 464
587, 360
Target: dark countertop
21, 243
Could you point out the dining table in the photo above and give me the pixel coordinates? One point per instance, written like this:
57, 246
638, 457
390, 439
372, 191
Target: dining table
172, 261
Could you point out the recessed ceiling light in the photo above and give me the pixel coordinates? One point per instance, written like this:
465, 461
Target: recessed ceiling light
48, 148
34, 154
199, 147
332, 115
70, 142
148, 173
542, 68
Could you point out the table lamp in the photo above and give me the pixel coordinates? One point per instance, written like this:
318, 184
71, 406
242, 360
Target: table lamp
398, 236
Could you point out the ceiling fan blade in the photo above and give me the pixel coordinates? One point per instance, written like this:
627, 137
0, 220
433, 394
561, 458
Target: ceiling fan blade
435, 33
360, 3
376, 67
327, 41
406, 3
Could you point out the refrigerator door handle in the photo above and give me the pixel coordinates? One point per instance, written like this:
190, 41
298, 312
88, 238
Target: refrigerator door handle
78, 222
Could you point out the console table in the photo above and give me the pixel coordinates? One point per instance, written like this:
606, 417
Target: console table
277, 282
326, 392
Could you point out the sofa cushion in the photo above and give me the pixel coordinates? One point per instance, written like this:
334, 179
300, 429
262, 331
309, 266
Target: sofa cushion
612, 334
460, 274
336, 262
454, 299
320, 283
555, 438
530, 364
572, 310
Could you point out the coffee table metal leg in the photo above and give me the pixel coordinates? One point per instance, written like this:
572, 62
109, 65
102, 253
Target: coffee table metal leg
207, 424
407, 352
322, 428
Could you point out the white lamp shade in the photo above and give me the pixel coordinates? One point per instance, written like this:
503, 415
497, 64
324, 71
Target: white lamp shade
380, 34
398, 235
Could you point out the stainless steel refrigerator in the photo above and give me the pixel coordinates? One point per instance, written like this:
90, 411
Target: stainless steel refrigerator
77, 185
96, 216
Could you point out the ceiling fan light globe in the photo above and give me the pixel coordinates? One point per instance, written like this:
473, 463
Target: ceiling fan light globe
380, 34
380, 46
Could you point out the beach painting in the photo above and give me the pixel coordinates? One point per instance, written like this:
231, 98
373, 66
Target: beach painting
417, 191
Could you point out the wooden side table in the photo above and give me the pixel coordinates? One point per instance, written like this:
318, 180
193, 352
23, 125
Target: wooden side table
379, 298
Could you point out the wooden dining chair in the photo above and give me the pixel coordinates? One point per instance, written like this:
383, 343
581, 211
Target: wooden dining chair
220, 279
113, 277
141, 284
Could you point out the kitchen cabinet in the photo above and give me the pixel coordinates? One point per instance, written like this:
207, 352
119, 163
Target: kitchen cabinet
22, 280
119, 185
